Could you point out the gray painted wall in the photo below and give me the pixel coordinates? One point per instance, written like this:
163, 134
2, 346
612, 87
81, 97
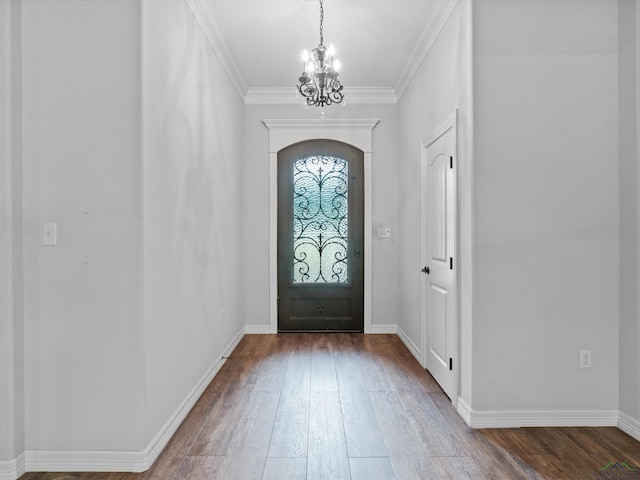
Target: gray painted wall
629, 138
546, 222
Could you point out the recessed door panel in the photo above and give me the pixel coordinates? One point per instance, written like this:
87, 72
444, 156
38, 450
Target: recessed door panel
438, 330
438, 208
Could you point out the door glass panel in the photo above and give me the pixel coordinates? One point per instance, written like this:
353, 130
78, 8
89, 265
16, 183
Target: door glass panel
320, 220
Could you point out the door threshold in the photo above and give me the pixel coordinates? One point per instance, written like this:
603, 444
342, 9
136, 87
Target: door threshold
320, 331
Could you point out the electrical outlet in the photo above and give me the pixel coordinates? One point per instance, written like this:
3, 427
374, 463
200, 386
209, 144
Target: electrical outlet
585, 358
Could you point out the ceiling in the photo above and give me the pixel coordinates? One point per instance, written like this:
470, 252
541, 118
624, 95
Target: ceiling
376, 41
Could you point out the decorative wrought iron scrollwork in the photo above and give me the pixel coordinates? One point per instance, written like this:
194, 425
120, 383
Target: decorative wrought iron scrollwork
320, 219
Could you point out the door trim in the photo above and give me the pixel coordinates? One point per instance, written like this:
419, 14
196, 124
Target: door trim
285, 132
450, 124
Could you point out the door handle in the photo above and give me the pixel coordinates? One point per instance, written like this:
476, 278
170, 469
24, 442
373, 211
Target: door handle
425, 270
357, 246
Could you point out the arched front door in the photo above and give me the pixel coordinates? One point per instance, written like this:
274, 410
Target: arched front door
320, 237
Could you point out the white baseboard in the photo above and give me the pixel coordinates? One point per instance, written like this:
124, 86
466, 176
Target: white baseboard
257, 329
84, 461
12, 469
384, 329
537, 418
415, 351
629, 425
115, 461
464, 410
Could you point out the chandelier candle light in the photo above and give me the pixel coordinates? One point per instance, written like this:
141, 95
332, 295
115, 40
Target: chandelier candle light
319, 83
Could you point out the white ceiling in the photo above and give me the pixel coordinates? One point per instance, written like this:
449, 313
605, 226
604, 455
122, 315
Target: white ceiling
376, 41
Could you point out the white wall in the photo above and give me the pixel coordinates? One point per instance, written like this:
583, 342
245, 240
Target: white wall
133, 145
193, 206
629, 138
545, 205
6, 254
256, 205
83, 297
11, 330
440, 86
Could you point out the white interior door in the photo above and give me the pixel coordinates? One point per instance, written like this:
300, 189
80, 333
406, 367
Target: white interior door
439, 286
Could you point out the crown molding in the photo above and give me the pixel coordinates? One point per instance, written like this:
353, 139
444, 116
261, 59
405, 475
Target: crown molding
289, 96
424, 45
219, 46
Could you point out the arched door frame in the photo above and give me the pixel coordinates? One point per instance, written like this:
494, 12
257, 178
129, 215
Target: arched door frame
282, 133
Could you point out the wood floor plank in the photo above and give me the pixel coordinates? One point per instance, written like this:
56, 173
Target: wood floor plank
81, 476
431, 427
245, 467
521, 441
285, 468
398, 430
327, 457
53, 476
612, 441
456, 468
111, 476
400, 376
403, 369
601, 460
573, 455
200, 468
370, 468
323, 370
253, 431
291, 428
361, 428
271, 370
589, 441
376, 379
529, 471
552, 466
414, 468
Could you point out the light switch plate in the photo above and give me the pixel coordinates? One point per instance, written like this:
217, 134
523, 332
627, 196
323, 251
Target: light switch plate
384, 232
49, 234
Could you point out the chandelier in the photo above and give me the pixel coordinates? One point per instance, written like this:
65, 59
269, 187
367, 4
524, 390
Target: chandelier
319, 83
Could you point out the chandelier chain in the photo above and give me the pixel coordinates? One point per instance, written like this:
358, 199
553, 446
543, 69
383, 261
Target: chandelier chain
321, 19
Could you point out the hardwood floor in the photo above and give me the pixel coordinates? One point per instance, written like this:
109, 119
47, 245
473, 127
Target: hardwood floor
350, 406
